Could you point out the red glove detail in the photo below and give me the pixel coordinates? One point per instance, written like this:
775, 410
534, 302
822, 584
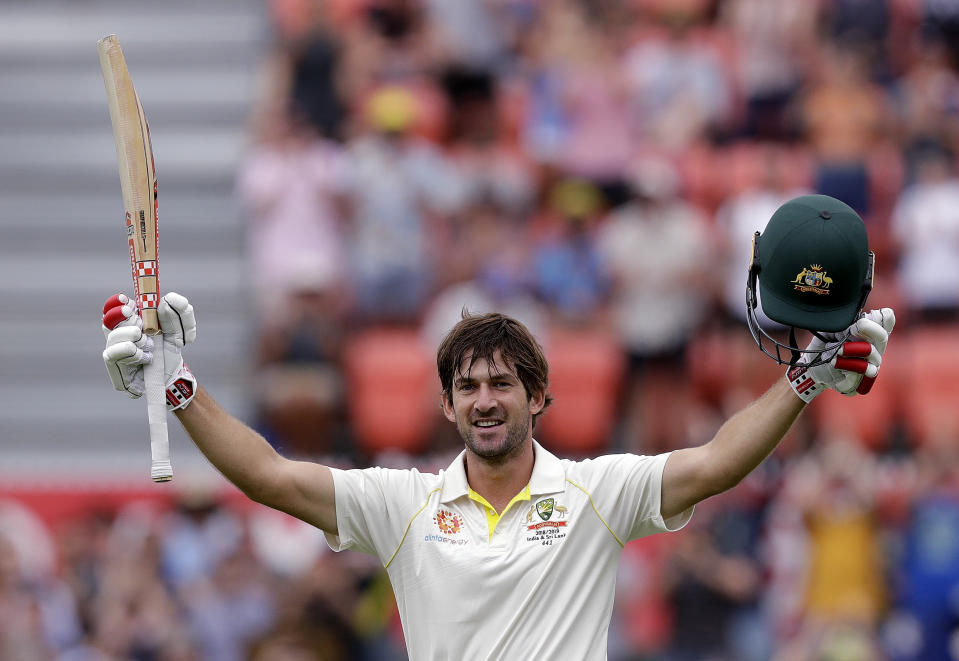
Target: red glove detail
858, 349
115, 301
866, 384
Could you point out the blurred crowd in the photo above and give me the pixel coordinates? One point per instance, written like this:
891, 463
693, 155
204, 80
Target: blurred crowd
597, 169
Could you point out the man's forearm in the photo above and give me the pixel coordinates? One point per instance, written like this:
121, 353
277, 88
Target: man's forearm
753, 433
242, 455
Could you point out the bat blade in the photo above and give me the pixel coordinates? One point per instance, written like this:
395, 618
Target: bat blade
138, 184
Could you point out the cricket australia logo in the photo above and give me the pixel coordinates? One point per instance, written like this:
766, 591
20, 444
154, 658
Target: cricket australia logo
447, 522
812, 279
546, 508
550, 529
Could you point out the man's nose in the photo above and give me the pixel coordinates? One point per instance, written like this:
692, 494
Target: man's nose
485, 398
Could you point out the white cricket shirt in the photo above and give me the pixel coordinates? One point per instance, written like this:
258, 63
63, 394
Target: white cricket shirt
535, 584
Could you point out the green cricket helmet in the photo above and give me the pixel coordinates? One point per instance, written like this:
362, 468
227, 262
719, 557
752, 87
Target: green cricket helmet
814, 271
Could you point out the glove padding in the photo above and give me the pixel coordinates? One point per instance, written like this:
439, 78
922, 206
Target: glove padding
128, 348
853, 366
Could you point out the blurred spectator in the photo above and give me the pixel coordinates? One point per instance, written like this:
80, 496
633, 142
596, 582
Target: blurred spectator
845, 593
384, 43
484, 269
656, 249
580, 120
299, 392
643, 621
37, 612
715, 581
198, 535
403, 185
468, 32
940, 21
342, 610
773, 39
291, 184
745, 213
568, 272
314, 85
129, 612
285, 546
927, 102
308, 63
926, 621
231, 609
844, 114
494, 172
864, 23
925, 225
680, 89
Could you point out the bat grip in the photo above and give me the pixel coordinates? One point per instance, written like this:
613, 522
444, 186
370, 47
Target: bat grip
161, 469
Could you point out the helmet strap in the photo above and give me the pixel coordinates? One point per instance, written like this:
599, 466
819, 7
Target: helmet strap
794, 346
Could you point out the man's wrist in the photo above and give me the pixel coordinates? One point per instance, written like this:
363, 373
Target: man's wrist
803, 384
181, 390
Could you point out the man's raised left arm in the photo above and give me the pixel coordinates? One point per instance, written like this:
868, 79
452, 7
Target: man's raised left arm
749, 436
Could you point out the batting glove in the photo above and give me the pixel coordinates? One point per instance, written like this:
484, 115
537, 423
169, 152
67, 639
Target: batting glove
853, 366
128, 348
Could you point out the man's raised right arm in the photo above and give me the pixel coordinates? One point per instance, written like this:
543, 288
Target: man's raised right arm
302, 489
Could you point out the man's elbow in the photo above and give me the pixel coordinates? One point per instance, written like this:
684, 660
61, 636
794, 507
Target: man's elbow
266, 487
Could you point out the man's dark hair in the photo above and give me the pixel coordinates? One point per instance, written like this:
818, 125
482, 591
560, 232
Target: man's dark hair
481, 336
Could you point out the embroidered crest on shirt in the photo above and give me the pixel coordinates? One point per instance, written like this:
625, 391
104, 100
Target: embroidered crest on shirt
549, 511
549, 530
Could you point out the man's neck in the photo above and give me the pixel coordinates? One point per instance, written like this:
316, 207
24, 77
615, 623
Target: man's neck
499, 482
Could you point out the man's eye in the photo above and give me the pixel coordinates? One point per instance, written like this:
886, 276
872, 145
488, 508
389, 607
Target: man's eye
466, 387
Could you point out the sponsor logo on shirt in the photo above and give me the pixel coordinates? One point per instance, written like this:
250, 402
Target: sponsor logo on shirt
449, 523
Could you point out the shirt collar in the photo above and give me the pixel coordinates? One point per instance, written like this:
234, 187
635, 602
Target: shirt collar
549, 475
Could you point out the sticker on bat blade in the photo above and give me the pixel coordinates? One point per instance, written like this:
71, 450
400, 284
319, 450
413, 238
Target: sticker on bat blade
149, 301
133, 256
146, 268
143, 229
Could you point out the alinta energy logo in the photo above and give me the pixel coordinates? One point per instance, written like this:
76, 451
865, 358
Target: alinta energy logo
448, 522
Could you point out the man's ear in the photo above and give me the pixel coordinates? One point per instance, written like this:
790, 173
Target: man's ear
537, 402
447, 407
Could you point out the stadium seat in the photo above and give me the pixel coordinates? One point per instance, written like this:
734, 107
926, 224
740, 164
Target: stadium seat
586, 369
931, 393
392, 392
726, 362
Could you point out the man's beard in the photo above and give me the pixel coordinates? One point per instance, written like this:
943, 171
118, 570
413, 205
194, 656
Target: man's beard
510, 446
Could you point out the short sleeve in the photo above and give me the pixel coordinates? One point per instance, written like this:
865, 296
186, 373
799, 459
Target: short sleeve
627, 492
373, 508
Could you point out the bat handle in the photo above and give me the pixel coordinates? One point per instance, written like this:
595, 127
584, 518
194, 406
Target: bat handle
161, 470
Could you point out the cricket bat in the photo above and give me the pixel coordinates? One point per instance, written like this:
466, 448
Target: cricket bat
139, 185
